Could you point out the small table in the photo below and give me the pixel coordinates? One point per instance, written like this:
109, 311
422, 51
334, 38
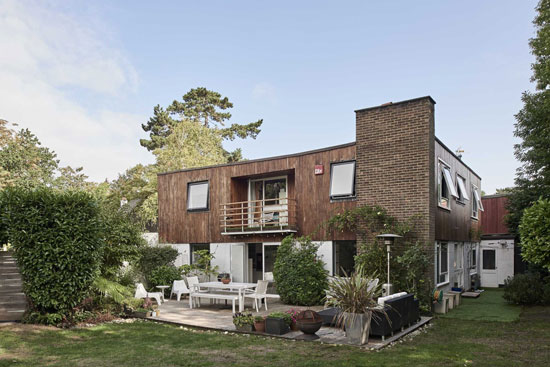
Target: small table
240, 287
162, 288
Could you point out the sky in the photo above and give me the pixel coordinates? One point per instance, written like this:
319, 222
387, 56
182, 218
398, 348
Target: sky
83, 76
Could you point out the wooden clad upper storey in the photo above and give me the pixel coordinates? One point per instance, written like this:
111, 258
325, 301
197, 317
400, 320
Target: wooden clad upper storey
307, 194
493, 219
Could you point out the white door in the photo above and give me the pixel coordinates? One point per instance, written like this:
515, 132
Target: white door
489, 269
239, 269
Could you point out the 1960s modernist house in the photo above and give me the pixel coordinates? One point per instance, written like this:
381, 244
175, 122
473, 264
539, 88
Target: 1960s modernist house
241, 211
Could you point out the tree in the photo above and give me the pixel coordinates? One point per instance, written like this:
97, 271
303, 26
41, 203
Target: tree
534, 232
72, 179
24, 161
533, 127
199, 105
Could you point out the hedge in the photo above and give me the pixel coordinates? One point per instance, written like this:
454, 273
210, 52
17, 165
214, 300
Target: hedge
57, 242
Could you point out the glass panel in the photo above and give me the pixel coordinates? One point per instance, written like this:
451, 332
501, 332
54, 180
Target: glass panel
344, 257
474, 258
275, 189
342, 179
489, 259
196, 247
270, 254
444, 259
449, 179
197, 196
459, 255
462, 188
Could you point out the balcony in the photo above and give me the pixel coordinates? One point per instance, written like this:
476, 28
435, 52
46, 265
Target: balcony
258, 217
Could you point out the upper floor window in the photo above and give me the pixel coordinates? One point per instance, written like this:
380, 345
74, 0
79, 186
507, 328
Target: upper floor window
461, 189
197, 196
476, 202
445, 185
342, 180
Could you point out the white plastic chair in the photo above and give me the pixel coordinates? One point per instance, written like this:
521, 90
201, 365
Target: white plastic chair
178, 288
193, 284
259, 294
142, 293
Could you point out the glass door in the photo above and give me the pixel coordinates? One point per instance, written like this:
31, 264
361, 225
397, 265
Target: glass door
267, 202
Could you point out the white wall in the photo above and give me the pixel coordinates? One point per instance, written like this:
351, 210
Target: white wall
504, 262
152, 238
222, 256
183, 252
325, 252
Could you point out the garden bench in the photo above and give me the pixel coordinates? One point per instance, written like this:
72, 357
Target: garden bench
226, 297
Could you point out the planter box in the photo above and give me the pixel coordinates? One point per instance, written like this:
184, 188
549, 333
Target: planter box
276, 326
354, 327
142, 314
246, 328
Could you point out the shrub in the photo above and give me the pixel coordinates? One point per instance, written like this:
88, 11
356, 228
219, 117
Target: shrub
243, 319
155, 257
283, 316
525, 289
164, 275
300, 276
534, 231
123, 241
56, 237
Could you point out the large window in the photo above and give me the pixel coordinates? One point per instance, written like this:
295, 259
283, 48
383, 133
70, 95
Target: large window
270, 190
342, 180
197, 247
197, 196
476, 202
344, 257
446, 187
442, 263
461, 189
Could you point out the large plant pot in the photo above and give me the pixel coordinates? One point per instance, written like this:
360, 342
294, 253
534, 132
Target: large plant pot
246, 328
259, 326
357, 327
276, 326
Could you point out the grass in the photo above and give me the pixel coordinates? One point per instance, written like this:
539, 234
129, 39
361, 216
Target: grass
488, 307
449, 342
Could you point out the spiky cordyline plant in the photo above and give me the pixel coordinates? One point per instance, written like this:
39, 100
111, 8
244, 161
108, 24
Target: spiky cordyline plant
355, 295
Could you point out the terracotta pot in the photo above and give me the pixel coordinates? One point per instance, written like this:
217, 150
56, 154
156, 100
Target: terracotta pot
259, 326
294, 326
226, 280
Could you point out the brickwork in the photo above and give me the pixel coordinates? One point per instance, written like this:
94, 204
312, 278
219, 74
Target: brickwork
395, 145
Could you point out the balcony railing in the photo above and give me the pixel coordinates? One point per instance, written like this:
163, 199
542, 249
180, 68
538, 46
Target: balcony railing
258, 216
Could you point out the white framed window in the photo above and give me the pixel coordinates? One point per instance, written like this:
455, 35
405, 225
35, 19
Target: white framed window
442, 265
197, 196
461, 189
342, 180
445, 185
476, 202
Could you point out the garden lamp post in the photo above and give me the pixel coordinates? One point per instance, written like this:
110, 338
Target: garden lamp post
389, 238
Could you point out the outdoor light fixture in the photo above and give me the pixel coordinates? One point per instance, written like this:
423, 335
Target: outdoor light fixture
388, 241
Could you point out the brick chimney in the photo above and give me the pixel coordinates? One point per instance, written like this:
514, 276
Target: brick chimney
395, 155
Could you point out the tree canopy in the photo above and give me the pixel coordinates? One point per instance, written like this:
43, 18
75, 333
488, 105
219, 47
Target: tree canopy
535, 234
533, 126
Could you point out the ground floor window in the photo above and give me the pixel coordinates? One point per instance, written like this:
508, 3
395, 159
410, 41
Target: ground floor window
442, 260
489, 259
197, 247
344, 257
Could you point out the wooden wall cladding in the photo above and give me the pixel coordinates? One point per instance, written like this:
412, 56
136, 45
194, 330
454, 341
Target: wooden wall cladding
456, 224
493, 218
228, 184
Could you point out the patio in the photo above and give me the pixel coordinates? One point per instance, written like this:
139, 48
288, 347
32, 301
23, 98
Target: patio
219, 317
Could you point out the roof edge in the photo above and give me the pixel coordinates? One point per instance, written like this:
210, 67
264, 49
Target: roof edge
389, 104
454, 155
261, 159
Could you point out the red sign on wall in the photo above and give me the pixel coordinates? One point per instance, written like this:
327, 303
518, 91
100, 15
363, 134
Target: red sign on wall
319, 169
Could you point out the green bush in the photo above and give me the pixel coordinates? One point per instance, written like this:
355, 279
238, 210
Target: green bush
527, 289
534, 231
164, 275
123, 241
154, 257
57, 241
299, 274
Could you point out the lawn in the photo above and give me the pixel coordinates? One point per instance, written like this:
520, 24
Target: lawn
449, 342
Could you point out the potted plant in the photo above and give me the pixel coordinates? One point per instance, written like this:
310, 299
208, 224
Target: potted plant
259, 324
293, 315
278, 323
243, 321
356, 297
226, 278
145, 310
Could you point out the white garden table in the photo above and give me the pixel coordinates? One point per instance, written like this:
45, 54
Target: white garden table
239, 287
